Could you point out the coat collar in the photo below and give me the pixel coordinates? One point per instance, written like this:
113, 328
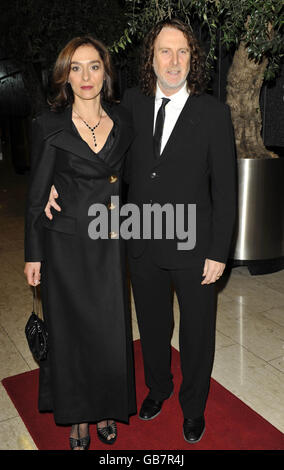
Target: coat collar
61, 135
62, 120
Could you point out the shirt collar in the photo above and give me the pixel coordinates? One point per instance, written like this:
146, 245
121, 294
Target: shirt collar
178, 98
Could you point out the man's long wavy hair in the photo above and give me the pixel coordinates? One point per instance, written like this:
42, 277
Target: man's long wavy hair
62, 91
196, 79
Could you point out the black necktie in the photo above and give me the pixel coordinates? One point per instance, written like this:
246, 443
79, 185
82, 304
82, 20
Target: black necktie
159, 127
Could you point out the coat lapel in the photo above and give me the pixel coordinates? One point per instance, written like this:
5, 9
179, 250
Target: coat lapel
123, 136
65, 138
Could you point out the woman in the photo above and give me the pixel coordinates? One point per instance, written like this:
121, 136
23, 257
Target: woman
79, 145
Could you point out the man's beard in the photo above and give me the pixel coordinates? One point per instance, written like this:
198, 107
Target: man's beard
168, 85
171, 86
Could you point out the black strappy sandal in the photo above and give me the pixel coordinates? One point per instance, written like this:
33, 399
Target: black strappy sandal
103, 433
80, 442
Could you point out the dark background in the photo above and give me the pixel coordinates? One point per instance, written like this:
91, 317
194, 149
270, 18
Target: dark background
32, 34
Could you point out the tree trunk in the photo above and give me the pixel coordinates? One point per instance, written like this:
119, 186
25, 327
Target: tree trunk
244, 82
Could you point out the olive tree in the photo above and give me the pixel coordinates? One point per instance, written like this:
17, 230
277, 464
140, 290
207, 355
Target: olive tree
250, 29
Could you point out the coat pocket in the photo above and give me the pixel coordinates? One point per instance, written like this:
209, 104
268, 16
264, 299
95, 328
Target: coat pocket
60, 223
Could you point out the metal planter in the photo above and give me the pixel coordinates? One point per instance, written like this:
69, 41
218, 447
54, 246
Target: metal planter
259, 232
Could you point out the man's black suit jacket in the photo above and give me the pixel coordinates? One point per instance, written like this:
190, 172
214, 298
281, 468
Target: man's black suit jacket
197, 166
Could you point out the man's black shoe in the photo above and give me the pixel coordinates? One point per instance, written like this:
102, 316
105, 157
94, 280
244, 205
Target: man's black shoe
193, 429
151, 408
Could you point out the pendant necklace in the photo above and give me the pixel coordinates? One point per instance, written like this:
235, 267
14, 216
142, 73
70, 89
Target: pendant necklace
92, 129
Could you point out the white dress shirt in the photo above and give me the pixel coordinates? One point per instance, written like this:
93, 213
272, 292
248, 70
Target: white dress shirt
172, 110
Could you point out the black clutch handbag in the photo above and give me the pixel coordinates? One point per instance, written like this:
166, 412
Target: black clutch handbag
36, 334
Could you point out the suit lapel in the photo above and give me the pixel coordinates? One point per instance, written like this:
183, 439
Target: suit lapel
144, 114
149, 113
186, 124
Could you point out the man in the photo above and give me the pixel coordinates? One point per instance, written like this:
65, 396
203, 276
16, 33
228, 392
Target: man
183, 153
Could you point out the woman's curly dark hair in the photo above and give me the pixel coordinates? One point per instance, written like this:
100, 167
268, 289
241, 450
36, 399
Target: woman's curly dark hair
196, 79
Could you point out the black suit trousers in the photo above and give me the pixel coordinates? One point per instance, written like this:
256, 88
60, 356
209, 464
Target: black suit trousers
153, 289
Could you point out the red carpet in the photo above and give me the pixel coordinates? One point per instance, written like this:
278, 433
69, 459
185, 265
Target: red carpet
230, 424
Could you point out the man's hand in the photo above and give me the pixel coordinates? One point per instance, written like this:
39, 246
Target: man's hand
212, 271
32, 272
52, 203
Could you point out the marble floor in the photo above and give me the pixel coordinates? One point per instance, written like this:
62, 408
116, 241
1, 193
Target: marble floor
249, 359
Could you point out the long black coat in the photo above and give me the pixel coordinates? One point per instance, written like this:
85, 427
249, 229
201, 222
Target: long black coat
89, 372
197, 166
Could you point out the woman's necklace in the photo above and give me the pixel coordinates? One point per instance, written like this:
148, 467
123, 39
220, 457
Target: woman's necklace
92, 129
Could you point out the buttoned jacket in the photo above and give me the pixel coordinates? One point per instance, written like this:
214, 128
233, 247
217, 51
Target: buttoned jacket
197, 166
81, 178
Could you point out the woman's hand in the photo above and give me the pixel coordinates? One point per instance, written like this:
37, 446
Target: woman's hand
52, 203
32, 272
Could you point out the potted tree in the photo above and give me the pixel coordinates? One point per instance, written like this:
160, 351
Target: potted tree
251, 30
